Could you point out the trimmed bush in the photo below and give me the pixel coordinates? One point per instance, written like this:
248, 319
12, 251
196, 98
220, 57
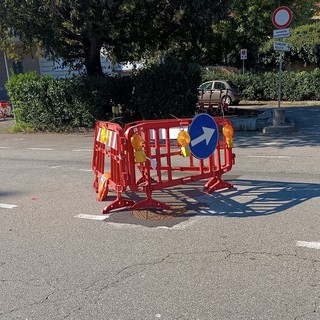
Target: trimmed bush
296, 86
168, 89
161, 91
64, 104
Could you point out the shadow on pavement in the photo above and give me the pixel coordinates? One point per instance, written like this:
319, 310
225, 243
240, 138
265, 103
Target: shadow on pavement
307, 133
251, 198
258, 198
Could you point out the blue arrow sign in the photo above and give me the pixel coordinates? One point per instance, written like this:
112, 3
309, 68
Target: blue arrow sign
204, 135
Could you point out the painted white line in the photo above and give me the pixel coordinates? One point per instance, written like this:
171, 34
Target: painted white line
82, 150
4, 147
42, 149
274, 157
84, 170
91, 217
306, 244
7, 206
271, 143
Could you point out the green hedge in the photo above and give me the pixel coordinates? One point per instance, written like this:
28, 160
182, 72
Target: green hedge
296, 86
161, 91
60, 105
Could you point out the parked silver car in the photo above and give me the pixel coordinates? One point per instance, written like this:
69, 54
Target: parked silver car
211, 91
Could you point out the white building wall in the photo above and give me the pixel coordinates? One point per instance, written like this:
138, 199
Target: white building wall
54, 69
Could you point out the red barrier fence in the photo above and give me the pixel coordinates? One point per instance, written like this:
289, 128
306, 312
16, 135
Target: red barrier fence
145, 156
5, 110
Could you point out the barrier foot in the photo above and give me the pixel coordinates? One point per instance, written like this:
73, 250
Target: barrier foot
150, 203
118, 203
216, 184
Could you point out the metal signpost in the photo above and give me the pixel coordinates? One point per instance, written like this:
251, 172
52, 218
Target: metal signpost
203, 132
281, 19
243, 56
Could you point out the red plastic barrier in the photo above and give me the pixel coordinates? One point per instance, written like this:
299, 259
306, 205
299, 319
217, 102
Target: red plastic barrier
5, 110
109, 144
164, 165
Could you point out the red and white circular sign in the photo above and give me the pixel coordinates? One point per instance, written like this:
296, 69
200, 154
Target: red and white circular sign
282, 17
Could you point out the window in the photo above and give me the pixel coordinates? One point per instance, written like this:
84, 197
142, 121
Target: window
206, 86
219, 86
17, 67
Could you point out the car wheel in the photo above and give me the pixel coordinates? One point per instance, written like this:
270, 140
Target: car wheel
226, 99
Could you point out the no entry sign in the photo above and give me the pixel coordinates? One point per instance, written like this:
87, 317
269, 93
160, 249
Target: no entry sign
282, 17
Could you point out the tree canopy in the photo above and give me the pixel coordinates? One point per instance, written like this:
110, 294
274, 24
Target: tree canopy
250, 24
304, 47
76, 30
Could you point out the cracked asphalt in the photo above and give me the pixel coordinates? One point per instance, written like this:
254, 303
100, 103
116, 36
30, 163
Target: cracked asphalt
233, 255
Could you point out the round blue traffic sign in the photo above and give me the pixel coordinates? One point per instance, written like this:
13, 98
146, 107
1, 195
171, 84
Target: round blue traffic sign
204, 135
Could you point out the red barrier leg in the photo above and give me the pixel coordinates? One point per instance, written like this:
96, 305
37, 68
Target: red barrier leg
216, 183
118, 203
150, 203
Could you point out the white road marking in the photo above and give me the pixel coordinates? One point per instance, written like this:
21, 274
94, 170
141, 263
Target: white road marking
7, 206
271, 143
91, 217
274, 157
4, 147
53, 167
84, 170
181, 226
42, 149
82, 150
306, 244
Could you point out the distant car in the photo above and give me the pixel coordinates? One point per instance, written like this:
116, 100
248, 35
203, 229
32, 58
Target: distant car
212, 91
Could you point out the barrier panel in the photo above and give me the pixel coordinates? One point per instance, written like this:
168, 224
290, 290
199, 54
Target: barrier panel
109, 144
152, 155
5, 110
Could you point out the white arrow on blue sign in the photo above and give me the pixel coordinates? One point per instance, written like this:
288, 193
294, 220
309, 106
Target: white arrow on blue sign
204, 133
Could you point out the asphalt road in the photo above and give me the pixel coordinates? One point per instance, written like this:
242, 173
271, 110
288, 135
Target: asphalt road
247, 253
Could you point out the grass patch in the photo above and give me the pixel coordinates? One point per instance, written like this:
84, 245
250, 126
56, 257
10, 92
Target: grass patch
22, 127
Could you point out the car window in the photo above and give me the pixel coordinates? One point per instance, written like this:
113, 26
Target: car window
206, 86
232, 85
219, 85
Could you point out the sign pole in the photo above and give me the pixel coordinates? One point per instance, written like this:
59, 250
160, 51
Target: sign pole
280, 80
243, 56
281, 19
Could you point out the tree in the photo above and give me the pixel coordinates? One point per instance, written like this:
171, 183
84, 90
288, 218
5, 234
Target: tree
304, 45
77, 30
249, 24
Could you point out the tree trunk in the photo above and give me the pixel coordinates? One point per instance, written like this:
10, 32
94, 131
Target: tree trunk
92, 57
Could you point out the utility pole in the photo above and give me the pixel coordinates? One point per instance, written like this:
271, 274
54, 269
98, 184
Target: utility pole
6, 64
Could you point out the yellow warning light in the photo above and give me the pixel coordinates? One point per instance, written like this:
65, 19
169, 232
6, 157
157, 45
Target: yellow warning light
136, 141
139, 154
104, 135
107, 136
228, 132
186, 152
183, 138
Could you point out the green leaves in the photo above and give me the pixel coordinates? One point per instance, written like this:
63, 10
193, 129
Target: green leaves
78, 29
304, 47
